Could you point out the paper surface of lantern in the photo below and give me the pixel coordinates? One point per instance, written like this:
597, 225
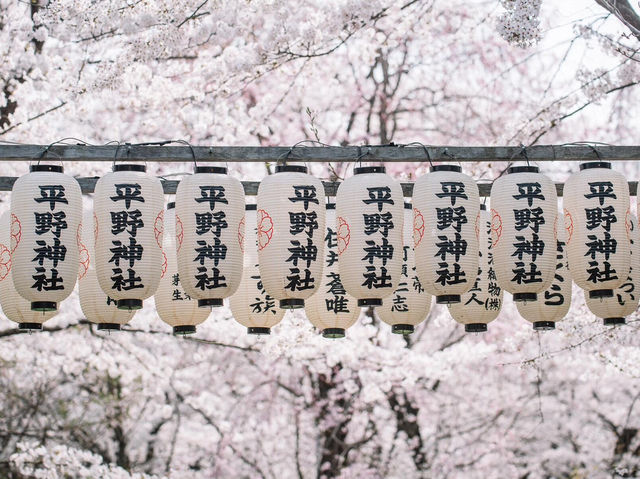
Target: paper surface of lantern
128, 227
331, 309
209, 210
446, 206
14, 306
624, 301
524, 207
596, 204
95, 304
482, 303
251, 305
47, 206
553, 304
409, 304
369, 226
291, 225
173, 303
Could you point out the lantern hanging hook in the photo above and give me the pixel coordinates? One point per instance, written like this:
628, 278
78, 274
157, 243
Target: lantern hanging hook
362, 155
47, 151
424, 148
523, 153
446, 153
193, 153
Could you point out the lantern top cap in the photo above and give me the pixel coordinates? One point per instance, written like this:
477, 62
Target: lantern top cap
171, 205
331, 206
454, 168
250, 207
408, 206
363, 170
220, 170
291, 169
129, 167
523, 169
46, 168
483, 207
595, 164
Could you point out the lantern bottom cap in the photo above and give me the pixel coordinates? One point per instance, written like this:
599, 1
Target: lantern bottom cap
30, 326
544, 325
129, 304
210, 302
369, 302
109, 326
292, 303
525, 297
601, 293
184, 329
613, 321
259, 330
333, 333
448, 299
44, 306
475, 328
402, 329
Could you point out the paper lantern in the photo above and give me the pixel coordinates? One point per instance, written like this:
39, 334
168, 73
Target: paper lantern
173, 303
447, 205
291, 225
369, 227
46, 205
331, 309
95, 304
14, 306
481, 304
596, 205
624, 301
251, 305
409, 304
209, 210
552, 305
128, 225
524, 207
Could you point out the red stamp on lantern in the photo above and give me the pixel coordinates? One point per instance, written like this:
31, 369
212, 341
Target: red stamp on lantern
568, 225
5, 261
83, 254
418, 227
179, 232
265, 229
16, 232
241, 227
343, 234
496, 227
158, 228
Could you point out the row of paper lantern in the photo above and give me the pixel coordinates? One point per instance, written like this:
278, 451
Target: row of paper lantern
292, 250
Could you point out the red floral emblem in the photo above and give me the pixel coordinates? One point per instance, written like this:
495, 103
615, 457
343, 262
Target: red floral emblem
628, 223
95, 229
496, 228
179, 232
241, 234
418, 227
5, 261
158, 228
164, 265
343, 234
83, 254
16, 232
568, 225
477, 227
265, 229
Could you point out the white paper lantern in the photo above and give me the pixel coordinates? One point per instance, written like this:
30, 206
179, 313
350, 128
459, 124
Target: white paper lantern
596, 204
209, 210
95, 304
128, 226
251, 305
409, 304
47, 204
369, 227
291, 225
173, 303
552, 305
447, 205
524, 207
331, 309
14, 306
624, 301
482, 303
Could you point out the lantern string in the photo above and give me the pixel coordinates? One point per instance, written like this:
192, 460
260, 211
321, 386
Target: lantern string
523, 152
426, 151
446, 153
193, 153
362, 155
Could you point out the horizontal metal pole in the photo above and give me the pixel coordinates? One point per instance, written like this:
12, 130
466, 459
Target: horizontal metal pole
251, 187
272, 154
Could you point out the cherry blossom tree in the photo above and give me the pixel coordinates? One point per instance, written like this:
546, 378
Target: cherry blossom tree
441, 403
